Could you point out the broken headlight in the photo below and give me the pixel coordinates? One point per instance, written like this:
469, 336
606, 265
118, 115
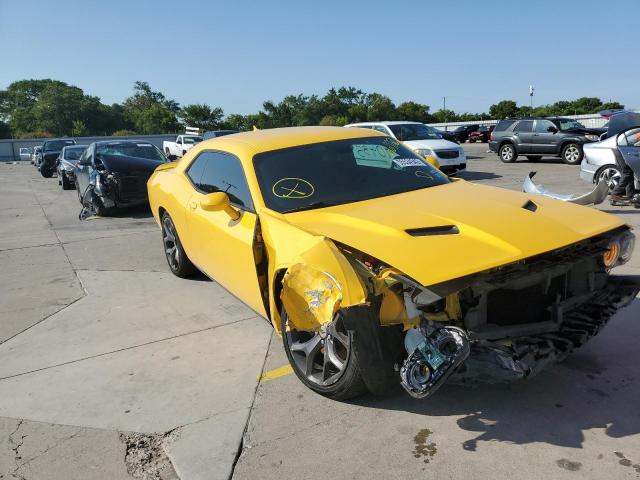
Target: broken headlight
619, 250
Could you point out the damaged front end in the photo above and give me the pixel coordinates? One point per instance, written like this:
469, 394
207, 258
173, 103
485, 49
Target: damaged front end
504, 324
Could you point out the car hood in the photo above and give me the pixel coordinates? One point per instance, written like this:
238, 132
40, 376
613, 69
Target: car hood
494, 228
439, 144
125, 164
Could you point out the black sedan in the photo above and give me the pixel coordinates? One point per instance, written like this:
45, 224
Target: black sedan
114, 174
50, 152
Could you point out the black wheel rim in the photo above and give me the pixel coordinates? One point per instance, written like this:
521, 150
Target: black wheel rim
322, 356
170, 241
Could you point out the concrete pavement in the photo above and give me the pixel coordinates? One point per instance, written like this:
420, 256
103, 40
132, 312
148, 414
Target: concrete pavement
110, 367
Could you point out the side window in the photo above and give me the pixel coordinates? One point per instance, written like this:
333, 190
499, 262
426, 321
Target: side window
194, 172
630, 138
89, 156
542, 126
381, 129
223, 173
524, 126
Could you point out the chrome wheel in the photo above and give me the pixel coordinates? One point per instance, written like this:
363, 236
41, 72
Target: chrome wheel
572, 154
506, 153
611, 175
321, 356
171, 249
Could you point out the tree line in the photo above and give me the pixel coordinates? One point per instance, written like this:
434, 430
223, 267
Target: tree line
51, 108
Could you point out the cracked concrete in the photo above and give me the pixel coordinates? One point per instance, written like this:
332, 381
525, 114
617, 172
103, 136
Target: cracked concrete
110, 367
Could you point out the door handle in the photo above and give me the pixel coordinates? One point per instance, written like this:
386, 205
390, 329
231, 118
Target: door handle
193, 205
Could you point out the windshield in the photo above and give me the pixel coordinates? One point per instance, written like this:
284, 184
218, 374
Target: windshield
73, 153
132, 149
191, 140
568, 124
414, 131
341, 171
56, 145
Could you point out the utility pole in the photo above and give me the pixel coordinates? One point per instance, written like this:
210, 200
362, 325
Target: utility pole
444, 109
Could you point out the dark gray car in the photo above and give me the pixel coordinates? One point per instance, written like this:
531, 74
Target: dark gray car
538, 137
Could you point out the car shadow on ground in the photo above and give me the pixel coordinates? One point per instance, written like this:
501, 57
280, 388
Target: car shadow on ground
467, 175
590, 389
138, 212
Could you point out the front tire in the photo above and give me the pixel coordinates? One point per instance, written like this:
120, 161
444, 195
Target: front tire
572, 154
46, 172
507, 153
325, 361
177, 259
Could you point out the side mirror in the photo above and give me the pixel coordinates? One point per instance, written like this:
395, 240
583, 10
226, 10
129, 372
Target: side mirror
552, 129
214, 202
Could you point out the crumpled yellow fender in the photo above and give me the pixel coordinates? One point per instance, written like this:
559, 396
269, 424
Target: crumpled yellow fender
318, 279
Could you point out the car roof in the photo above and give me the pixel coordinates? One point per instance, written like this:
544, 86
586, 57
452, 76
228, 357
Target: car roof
111, 142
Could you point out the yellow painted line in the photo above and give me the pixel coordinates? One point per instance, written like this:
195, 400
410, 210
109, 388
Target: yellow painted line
276, 373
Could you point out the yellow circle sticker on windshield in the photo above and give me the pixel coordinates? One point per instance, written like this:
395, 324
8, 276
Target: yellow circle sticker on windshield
292, 188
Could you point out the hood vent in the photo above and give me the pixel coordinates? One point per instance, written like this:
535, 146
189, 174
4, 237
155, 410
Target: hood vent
427, 231
532, 207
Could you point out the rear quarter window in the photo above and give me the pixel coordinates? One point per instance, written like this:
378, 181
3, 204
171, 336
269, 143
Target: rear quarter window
503, 125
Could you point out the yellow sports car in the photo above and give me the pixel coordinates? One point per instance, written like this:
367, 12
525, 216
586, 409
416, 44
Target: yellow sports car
378, 270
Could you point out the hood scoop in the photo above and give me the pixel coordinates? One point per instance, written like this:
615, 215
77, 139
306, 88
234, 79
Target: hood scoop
532, 207
429, 231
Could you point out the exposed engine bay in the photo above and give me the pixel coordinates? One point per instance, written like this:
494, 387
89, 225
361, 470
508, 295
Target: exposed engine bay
504, 324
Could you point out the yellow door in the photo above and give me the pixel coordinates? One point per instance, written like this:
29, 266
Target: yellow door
222, 247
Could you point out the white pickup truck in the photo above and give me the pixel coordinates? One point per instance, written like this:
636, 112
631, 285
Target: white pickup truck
182, 145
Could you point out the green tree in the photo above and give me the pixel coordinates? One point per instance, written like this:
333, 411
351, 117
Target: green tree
442, 116
504, 109
379, 108
201, 116
150, 111
414, 112
5, 130
79, 129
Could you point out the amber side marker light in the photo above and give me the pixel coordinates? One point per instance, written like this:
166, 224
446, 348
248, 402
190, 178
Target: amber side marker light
610, 257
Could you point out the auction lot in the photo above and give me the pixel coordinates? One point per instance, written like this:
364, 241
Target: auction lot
111, 367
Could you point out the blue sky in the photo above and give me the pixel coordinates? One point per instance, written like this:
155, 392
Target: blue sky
237, 54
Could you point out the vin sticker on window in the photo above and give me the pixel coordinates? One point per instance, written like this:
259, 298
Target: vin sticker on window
408, 162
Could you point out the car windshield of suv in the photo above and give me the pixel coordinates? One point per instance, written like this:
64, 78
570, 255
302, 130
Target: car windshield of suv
138, 150
413, 131
341, 171
191, 140
56, 145
568, 124
73, 153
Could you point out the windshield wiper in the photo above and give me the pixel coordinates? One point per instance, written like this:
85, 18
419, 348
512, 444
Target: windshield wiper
311, 206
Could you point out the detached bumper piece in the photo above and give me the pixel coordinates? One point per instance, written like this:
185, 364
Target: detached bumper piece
522, 357
595, 196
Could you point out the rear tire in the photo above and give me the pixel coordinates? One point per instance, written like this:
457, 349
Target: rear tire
331, 365
177, 259
572, 154
46, 172
507, 153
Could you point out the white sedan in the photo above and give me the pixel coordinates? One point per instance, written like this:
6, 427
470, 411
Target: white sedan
423, 139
